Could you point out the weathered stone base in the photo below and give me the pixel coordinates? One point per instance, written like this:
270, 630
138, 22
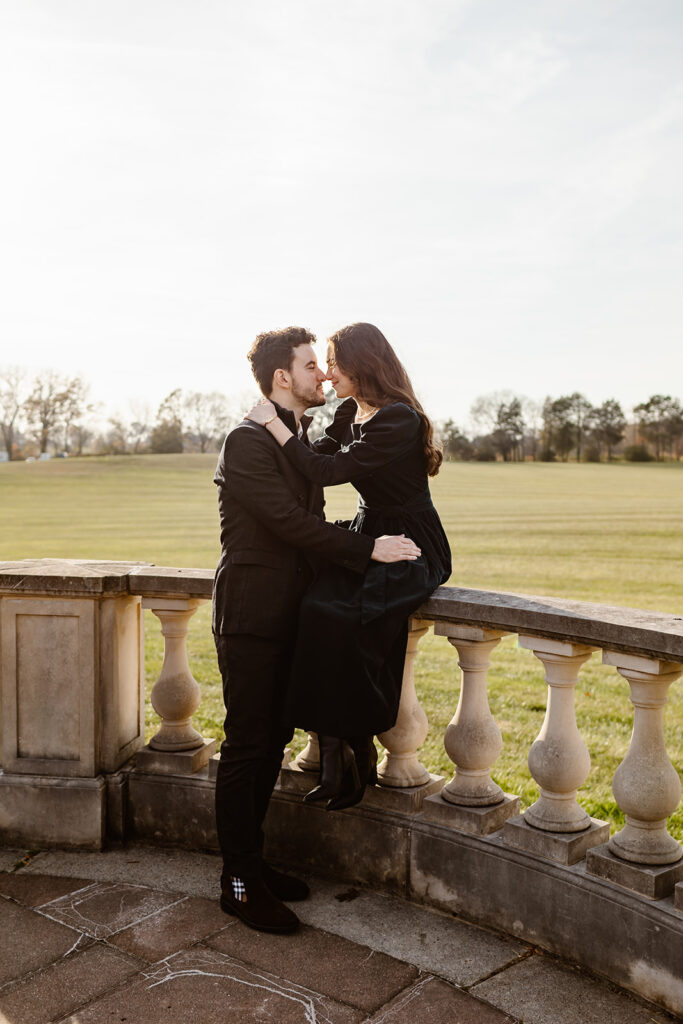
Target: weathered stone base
360, 845
562, 847
636, 943
38, 810
480, 821
294, 779
678, 897
174, 762
653, 881
117, 805
408, 800
172, 809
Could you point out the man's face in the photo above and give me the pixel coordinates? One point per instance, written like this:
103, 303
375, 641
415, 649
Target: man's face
307, 377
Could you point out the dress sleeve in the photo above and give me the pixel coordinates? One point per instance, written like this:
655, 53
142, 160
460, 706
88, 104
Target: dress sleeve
386, 437
332, 439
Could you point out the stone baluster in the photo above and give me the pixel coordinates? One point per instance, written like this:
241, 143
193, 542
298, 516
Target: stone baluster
473, 740
559, 760
176, 694
646, 785
400, 767
309, 758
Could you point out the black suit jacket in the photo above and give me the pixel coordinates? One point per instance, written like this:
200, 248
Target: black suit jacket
272, 534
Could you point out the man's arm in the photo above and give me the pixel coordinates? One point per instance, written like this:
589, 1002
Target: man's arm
256, 482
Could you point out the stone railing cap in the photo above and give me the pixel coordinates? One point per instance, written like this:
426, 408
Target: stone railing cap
653, 634
66, 576
633, 630
169, 581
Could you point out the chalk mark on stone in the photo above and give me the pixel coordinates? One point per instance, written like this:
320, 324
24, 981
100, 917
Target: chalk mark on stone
212, 964
71, 910
76, 944
405, 999
70, 895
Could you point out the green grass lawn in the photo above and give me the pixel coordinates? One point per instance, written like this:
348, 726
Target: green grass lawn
608, 533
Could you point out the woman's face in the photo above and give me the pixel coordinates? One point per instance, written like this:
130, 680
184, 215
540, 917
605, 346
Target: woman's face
342, 384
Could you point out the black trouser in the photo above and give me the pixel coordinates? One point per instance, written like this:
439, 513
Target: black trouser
255, 673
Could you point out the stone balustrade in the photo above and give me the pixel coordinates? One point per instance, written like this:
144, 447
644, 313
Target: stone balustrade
76, 770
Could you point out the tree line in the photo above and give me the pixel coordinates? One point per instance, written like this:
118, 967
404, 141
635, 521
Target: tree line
513, 428
52, 413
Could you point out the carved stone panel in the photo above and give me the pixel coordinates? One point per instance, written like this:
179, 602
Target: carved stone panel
47, 670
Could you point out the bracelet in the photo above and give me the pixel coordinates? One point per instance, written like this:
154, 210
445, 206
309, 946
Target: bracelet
270, 420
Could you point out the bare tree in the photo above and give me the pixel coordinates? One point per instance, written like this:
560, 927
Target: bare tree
115, 441
501, 414
484, 410
75, 407
45, 406
11, 401
167, 433
455, 444
207, 417
79, 437
140, 425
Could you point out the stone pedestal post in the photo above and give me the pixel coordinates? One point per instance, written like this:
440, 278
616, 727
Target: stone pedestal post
299, 776
559, 762
176, 695
309, 758
646, 785
473, 740
71, 697
400, 767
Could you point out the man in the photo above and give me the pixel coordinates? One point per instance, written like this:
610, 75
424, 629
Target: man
272, 533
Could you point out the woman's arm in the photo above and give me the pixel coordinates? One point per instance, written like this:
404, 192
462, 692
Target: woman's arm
386, 437
332, 439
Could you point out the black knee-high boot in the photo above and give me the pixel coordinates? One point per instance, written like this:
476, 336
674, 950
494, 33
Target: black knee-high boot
365, 756
338, 771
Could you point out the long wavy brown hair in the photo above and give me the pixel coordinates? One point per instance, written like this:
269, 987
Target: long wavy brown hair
363, 353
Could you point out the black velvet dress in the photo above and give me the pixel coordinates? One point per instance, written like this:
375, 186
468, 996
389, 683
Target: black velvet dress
351, 641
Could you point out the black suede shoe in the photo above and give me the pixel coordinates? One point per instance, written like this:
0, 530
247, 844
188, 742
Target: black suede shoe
251, 900
284, 886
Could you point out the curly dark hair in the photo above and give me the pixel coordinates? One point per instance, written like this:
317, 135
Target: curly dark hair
273, 350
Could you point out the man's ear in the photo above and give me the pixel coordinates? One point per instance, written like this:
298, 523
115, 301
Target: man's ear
281, 378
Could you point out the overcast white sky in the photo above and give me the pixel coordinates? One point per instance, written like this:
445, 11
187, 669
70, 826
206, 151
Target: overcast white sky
495, 183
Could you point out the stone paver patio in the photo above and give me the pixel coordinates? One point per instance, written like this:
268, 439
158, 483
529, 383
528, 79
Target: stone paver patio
135, 935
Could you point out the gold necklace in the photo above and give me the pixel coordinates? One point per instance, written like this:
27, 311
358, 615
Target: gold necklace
365, 415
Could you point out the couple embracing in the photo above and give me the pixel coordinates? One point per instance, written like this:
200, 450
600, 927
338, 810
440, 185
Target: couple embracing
310, 618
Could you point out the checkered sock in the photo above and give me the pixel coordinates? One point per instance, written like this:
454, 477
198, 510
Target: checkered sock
239, 889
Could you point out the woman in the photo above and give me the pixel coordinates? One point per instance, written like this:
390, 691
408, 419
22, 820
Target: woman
348, 666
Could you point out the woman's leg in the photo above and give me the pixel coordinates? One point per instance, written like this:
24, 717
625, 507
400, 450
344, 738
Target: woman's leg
365, 758
338, 771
